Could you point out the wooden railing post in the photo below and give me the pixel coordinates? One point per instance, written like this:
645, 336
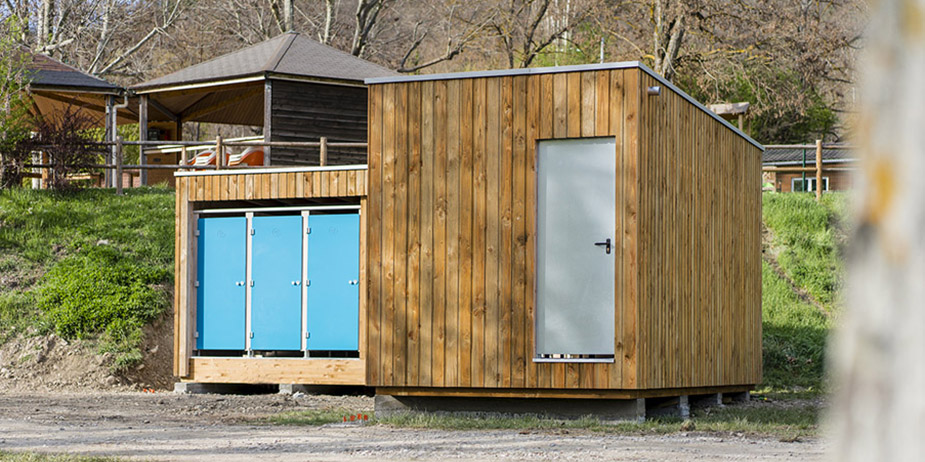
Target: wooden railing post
324, 151
183, 155
819, 184
119, 158
219, 152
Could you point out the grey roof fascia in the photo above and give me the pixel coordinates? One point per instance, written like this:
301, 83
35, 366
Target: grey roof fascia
202, 83
810, 162
504, 72
561, 69
116, 91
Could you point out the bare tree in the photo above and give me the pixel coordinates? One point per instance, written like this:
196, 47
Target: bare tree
367, 14
517, 27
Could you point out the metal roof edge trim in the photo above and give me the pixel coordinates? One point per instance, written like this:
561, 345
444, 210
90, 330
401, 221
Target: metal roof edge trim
242, 171
810, 162
76, 89
246, 78
561, 69
504, 72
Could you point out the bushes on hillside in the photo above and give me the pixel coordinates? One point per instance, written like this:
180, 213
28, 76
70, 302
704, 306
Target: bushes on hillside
100, 291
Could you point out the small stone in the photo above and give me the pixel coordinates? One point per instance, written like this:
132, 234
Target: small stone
298, 394
102, 242
153, 350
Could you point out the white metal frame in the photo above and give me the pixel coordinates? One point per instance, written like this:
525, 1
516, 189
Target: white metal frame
305, 212
811, 181
248, 286
305, 231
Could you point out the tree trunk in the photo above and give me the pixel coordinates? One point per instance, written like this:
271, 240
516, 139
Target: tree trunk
879, 410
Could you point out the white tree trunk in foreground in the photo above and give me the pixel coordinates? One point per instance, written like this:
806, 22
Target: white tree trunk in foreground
879, 353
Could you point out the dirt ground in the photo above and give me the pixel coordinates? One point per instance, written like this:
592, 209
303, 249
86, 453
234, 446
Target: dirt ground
167, 426
50, 363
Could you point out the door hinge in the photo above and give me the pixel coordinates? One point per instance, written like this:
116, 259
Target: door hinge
252, 283
196, 334
253, 231
308, 282
196, 233
252, 335
308, 334
308, 230
196, 284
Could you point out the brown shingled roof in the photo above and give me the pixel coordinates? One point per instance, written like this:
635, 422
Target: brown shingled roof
289, 53
47, 72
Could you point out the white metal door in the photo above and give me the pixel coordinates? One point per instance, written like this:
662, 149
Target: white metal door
576, 239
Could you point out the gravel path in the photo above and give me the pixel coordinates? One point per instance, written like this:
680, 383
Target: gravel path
167, 426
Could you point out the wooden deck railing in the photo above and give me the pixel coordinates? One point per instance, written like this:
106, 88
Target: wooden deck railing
184, 147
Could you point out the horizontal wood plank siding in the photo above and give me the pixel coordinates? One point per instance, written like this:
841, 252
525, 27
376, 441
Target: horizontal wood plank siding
304, 111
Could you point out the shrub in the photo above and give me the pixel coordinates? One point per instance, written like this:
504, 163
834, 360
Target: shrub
99, 289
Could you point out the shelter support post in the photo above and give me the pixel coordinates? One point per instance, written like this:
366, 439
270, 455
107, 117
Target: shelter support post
323, 156
110, 135
119, 159
267, 119
142, 136
219, 153
819, 184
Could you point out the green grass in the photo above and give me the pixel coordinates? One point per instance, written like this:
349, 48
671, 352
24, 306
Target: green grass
808, 238
86, 264
799, 419
794, 337
40, 457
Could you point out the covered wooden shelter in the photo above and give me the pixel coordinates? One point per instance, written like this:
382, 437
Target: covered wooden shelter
55, 86
297, 89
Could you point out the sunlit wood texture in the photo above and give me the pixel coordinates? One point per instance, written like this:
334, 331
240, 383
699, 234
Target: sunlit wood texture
699, 248
452, 258
236, 189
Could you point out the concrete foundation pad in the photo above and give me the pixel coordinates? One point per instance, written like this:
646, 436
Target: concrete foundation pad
604, 409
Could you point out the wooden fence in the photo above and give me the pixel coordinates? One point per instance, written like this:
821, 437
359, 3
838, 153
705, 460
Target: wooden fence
118, 147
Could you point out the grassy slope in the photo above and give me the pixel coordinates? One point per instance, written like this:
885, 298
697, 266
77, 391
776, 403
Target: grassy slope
93, 245
85, 263
806, 244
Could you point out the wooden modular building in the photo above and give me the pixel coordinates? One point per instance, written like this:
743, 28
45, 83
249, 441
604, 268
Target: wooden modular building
569, 232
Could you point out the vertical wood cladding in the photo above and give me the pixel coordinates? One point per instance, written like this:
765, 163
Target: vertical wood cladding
452, 201
304, 111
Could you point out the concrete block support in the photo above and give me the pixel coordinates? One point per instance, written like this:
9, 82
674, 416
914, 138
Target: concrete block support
607, 410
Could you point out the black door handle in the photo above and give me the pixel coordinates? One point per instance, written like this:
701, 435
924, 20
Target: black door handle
606, 245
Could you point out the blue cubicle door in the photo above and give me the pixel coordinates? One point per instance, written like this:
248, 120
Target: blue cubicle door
276, 295
334, 271
221, 258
